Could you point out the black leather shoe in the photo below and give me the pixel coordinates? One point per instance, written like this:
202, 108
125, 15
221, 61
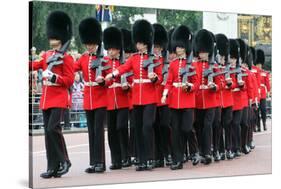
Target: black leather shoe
149, 165
115, 166
229, 155
176, 165
135, 161
99, 168
252, 145
217, 156
64, 168
168, 160
140, 167
245, 149
222, 156
195, 159
49, 174
207, 159
237, 153
185, 159
90, 169
126, 162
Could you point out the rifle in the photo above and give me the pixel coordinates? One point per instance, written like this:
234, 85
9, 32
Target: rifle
165, 68
184, 72
227, 68
56, 59
98, 64
125, 76
149, 64
208, 72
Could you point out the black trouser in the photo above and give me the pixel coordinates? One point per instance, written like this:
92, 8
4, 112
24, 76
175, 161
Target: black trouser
117, 122
262, 111
95, 123
54, 141
205, 119
236, 134
252, 123
217, 129
226, 116
162, 132
132, 138
244, 126
182, 126
66, 118
144, 117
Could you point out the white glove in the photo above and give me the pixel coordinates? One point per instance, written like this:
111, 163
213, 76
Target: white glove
47, 74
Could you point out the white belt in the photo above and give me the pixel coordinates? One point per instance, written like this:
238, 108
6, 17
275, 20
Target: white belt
177, 84
142, 81
114, 85
236, 89
263, 85
203, 87
48, 83
91, 83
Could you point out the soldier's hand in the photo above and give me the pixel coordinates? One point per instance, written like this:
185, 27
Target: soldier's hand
47, 74
212, 86
100, 79
152, 75
125, 86
241, 83
109, 77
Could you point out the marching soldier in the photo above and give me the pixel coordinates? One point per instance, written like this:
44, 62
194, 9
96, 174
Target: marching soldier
206, 94
94, 92
180, 87
243, 84
253, 108
247, 97
264, 88
162, 122
129, 49
58, 77
147, 74
225, 101
117, 99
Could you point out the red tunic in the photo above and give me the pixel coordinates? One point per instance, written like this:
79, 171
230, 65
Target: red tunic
179, 99
264, 84
257, 71
242, 95
56, 95
94, 96
117, 98
206, 98
143, 91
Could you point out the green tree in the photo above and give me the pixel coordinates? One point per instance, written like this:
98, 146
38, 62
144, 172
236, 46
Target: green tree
40, 12
173, 18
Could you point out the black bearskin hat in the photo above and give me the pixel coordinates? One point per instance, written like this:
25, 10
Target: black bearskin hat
243, 49
234, 49
170, 32
182, 37
249, 58
160, 36
142, 32
222, 44
59, 26
112, 38
260, 57
90, 31
253, 51
128, 45
204, 42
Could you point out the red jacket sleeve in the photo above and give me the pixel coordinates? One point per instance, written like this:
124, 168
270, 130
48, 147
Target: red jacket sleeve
250, 87
67, 78
77, 65
126, 67
36, 65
